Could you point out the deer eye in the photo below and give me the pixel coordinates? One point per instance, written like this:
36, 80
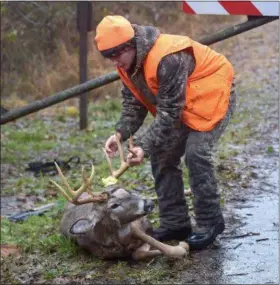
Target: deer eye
114, 206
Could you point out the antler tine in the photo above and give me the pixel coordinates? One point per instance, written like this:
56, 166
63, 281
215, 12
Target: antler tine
76, 194
64, 180
131, 143
62, 191
87, 180
85, 185
73, 193
108, 160
120, 150
124, 165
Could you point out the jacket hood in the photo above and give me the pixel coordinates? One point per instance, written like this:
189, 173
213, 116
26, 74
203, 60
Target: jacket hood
145, 37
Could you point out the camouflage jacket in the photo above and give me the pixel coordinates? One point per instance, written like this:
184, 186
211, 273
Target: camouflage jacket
173, 72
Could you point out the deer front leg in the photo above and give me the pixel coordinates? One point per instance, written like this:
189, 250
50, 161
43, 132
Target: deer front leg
144, 252
179, 251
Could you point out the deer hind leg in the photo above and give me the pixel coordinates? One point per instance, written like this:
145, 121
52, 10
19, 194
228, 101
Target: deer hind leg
179, 251
144, 252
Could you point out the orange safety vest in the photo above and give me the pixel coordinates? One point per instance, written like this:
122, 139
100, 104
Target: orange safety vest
208, 87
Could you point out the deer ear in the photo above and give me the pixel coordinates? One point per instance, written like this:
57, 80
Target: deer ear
81, 226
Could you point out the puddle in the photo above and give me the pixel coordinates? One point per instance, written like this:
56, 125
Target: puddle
254, 259
11, 205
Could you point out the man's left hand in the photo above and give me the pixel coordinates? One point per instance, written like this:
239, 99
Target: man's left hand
136, 157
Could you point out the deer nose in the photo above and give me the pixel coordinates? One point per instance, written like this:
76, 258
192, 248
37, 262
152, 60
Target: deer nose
148, 206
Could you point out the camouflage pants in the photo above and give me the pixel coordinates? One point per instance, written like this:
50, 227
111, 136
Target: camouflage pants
197, 148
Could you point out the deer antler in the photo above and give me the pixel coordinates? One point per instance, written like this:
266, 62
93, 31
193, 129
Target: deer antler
73, 195
124, 165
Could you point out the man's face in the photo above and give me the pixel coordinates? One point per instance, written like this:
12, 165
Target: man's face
125, 58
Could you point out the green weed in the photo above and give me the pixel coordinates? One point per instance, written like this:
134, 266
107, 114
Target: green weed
270, 149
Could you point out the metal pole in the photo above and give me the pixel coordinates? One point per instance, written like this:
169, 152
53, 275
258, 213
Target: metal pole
84, 10
252, 23
110, 77
59, 97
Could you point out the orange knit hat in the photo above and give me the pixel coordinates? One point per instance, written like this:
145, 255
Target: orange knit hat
113, 31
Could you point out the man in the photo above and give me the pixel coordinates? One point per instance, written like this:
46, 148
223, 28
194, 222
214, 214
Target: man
188, 88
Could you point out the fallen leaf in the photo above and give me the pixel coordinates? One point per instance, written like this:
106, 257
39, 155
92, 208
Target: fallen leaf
71, 111
7, 249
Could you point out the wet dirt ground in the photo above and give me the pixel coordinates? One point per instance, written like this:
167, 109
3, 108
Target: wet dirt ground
248, 250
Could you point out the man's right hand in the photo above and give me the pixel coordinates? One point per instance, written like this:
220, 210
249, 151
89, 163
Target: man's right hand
111, 146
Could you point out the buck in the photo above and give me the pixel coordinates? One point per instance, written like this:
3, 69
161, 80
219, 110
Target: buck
112, 224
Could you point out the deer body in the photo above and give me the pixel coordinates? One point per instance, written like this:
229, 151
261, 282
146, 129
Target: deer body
103, 232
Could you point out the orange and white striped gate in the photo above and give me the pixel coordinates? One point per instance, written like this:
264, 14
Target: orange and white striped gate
215, 7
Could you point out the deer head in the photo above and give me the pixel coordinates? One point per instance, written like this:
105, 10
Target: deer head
120, 209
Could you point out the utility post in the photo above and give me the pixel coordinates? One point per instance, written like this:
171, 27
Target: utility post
84, 25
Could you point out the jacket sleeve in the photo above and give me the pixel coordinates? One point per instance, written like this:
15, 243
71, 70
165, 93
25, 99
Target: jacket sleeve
132, 116
172, 74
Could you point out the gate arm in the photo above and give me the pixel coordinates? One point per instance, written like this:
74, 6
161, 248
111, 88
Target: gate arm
253, 22
59, 97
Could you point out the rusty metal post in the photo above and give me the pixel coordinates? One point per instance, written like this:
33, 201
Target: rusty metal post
84, 17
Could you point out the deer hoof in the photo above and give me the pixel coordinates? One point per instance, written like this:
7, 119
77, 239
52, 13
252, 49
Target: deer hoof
181, 250
178, 252
184, 245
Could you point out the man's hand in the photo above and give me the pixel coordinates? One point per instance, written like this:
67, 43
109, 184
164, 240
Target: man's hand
136, 157
111, 146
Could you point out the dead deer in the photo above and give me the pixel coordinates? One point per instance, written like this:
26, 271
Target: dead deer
112, 224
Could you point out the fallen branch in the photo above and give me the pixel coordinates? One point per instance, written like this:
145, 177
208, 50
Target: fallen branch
151, 262
237, 246
240, 236
237, 274
262, 239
